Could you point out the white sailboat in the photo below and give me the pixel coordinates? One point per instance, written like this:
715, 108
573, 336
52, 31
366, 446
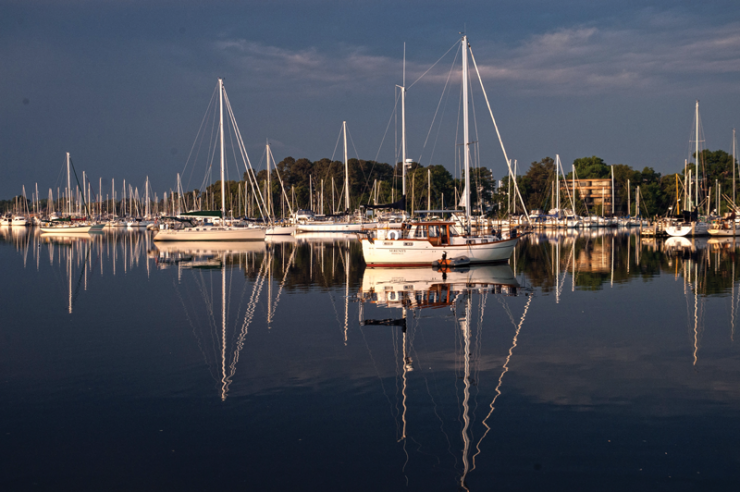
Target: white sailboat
691, 225
221, 231
69, 225
422, 243
328, 226
275, 229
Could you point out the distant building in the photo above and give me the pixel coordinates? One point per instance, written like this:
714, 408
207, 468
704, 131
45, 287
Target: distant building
596, 194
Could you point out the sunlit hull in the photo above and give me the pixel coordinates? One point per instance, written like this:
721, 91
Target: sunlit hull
343, 227
688, 230
72, 229
280, 230
383, 253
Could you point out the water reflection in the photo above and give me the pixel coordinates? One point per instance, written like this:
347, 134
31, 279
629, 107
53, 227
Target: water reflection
415, 289
432, 363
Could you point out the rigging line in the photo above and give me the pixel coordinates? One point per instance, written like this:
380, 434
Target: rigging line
290, 207
431, 397
282, 284
248, 316
387, 127
200, 128
377, 373
245, 158
456, 43
79, 280
190, 322
359, 163
505, 369
208, 301
339, 137
439, 104
212, 148
458, 161
508, 162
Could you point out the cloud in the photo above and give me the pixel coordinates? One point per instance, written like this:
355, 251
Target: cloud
658, 53
307, 71
591, 60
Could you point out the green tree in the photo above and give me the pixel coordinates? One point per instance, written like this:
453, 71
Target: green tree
591, 168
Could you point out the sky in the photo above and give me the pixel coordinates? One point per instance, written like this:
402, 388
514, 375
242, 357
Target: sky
123, 85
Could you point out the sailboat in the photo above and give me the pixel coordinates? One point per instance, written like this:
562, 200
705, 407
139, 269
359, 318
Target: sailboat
691, 225
68, 225
220, 232
421, 243
348, 226
275, 229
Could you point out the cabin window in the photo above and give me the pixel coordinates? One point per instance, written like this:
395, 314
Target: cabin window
433, 231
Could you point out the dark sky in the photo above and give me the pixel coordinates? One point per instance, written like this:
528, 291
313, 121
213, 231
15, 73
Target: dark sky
123, 85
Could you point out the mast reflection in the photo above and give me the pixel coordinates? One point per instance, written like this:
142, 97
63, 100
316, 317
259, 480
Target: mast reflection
413, 290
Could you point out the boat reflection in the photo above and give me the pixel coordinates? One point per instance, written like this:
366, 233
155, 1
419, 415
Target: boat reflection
416, 289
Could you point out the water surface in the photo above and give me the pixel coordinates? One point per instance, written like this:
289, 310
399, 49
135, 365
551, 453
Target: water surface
597, 361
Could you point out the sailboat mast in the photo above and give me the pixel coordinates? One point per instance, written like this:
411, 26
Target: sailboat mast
686, 188
221, 136
733, 167
269, 188
465, 129
403, 125
696, 160
557, 181
612, 190
69, 189
346, 169
146, 195
429, 189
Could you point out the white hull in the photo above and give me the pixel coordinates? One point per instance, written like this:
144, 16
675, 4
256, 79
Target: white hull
724, 232
380, 253
211, 233
280, 230
344, 227
138, 224
688, 230
386, 287
72, 229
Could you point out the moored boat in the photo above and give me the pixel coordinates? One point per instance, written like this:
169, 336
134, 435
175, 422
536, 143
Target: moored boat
423, 243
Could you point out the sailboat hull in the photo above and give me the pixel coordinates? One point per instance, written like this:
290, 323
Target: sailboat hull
688, 230
343, 227
405, 253
73, 229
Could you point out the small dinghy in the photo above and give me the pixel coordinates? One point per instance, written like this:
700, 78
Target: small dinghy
445, 262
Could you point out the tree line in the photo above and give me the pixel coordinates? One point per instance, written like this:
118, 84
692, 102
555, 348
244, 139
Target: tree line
319, 185
658, 193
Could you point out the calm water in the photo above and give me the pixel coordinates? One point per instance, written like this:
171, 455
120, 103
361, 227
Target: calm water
592, 362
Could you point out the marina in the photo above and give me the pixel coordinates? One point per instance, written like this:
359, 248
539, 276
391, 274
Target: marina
356, 246
197, 359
